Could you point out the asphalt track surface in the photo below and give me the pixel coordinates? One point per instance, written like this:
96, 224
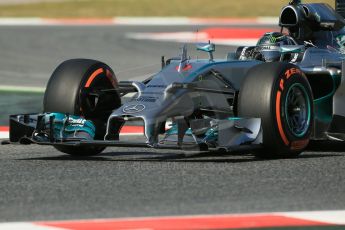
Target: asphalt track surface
39, 183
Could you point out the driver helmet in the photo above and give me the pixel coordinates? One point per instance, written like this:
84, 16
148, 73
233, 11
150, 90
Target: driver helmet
269, 45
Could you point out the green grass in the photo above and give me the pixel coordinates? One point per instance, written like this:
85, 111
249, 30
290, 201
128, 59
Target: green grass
112, 8
19, 103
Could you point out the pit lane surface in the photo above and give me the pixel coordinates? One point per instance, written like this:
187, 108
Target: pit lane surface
39, 183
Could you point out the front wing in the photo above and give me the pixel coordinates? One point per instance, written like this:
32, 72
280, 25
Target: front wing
228, 135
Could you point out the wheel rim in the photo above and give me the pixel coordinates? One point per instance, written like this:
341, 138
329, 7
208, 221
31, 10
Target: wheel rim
297, 110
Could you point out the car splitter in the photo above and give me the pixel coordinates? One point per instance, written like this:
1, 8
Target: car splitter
227, 135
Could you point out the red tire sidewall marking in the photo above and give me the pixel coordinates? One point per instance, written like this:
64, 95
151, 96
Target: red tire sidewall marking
93, 76
279, 121
108, 73
111, 76
297, 144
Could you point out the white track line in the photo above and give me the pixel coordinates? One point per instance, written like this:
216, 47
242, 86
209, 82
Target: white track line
29, 89
21, 21
151, 21
26, 226
137, 21
4, 135
333, 217
190, 37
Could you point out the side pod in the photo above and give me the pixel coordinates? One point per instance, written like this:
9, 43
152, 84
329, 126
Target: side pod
336, 130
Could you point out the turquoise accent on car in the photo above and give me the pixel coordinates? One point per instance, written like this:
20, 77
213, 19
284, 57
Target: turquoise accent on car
206, 47
211, 134
292, 49
174, 130
307, 99
323, 107
235, 118
70, 126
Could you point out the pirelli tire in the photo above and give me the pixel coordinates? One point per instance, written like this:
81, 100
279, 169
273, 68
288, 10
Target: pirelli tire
67, 92
279, 94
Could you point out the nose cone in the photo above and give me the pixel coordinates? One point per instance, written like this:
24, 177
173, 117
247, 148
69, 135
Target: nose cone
154, 111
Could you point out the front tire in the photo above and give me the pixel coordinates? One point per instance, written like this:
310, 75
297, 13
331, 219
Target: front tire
67, 92
279, 94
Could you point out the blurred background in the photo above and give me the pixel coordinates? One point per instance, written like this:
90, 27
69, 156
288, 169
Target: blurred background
111, 8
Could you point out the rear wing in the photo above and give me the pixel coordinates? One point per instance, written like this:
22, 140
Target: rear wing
340, 7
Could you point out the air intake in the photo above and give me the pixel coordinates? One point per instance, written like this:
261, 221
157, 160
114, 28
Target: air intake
340, 7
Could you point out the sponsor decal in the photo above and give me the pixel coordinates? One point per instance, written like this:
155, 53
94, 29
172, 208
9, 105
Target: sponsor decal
135, 108
287, 75
76, 122
281, 84
145, 99
271, 47
156, 86
157, 93
292, 71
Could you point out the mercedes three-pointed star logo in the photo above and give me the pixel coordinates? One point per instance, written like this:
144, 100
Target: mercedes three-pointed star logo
133, 108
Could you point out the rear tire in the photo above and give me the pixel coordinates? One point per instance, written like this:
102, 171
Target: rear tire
66, 92
279, 94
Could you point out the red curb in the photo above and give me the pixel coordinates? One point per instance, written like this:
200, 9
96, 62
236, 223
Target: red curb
4, 129
187, 223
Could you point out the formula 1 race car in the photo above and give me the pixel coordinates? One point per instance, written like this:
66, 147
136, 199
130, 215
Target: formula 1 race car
272, 98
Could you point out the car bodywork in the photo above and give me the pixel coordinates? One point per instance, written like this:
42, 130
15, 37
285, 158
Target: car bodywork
199, 96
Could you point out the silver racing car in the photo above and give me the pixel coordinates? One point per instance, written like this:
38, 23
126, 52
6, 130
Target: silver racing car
272, 98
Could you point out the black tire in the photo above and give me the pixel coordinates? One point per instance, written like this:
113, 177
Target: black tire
279, 94
66, 92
